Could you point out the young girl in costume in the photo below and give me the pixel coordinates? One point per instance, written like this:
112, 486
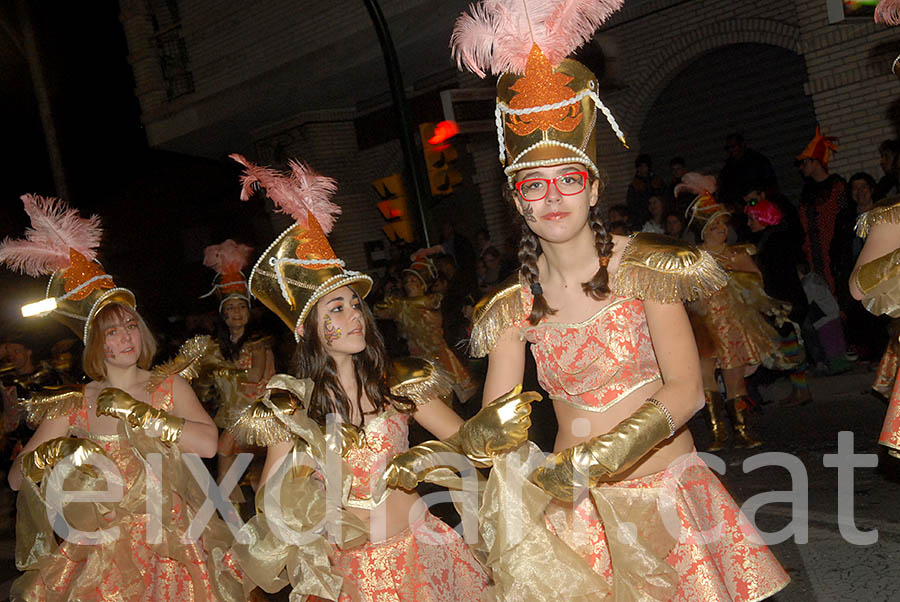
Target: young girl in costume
418, 316
115, 422
240, 362
876, 282
612, 343
347, 398
730, 328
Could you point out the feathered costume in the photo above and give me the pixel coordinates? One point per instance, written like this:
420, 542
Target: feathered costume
335, 560
136, 554
618, 547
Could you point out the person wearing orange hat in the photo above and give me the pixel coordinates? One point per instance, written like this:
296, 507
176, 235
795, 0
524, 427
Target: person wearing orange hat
118, 431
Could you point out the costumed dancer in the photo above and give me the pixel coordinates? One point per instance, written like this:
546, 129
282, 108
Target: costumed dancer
117, 423
613, 347
348, 398
240, 363
419, 319
876, 282
730, 326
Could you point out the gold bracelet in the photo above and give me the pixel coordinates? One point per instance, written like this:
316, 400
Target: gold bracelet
662, 407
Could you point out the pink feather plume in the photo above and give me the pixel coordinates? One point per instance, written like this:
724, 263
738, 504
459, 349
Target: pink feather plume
298, 193
227, 257
696, 183
496, 36
55, 228
888, 12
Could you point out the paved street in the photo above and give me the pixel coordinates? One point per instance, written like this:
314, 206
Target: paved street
825, 567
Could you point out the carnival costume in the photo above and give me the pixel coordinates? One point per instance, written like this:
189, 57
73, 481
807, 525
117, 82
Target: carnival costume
546, 118
136, 555
420, 322
731, 325
336, 561
879, 281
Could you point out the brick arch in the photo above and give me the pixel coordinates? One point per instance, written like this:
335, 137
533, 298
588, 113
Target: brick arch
675, 57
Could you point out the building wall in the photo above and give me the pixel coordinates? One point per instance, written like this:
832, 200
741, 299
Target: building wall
240, 56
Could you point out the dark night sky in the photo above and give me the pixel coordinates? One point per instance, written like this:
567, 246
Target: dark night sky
155, 204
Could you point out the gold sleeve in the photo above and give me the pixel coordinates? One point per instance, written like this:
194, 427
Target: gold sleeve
52, 402
186, 364
879, 281
666, 270
885, 213
494, 314
420, 380
265, 422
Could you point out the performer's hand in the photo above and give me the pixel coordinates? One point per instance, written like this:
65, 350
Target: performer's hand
119, 404
559, 472
35, 463
498, 427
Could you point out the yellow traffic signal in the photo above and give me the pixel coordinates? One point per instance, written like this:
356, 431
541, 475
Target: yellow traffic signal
439, 156
393, 208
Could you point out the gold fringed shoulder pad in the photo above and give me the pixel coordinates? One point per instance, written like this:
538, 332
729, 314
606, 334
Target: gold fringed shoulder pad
185, 364
52, 402
746, 247
663, 269
262, 423
495, 313
420, 380
887, 212
258, 341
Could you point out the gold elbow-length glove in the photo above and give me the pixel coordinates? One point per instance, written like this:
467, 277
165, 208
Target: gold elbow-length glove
606, 455
119, 404
877, 280
46, 455
498, 427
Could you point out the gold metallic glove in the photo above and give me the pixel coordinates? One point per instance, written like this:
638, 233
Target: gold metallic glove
498, 427
119, 404
606, 455
49, 453
878, 281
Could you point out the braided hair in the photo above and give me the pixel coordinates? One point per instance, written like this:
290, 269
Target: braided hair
530, 249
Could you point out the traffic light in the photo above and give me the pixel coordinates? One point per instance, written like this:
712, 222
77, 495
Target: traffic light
393, 208
439, 156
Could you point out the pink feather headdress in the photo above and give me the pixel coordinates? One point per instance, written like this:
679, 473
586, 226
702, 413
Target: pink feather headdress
55, 230
497, 35
699, 184
228, 257
888, 12
298, 193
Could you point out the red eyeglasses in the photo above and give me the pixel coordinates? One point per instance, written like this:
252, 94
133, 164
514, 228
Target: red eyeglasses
536, 189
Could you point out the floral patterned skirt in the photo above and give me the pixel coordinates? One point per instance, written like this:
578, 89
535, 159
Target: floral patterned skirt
717, 555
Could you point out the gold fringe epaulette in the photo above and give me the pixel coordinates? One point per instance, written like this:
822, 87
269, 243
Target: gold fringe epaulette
666, 270
746, 247
263, 423
258, 341
185, 364
420, 380
494, 314
887, 212
52, 402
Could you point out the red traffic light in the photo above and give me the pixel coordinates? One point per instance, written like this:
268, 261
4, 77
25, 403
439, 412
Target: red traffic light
443, 131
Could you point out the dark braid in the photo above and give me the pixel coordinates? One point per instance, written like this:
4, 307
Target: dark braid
529, 250
598, 287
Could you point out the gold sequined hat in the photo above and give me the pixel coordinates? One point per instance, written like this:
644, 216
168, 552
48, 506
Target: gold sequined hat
62, 243
299, 267
547, 104
228, 259
705, 208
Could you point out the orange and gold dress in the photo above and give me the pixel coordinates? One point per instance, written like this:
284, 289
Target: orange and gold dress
132, 567
420, 323
729, 325
427, 562
595, 364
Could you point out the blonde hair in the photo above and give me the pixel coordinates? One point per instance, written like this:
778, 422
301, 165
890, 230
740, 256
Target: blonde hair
93, 359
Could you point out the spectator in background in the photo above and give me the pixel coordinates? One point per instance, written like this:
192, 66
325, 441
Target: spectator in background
657, 210
744, 166
493, 273
455, 244
790, 217
822, 198
482, 240
618, 220
822, 331
676, 227
889, 184
457, 294
644, 185
677, 168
